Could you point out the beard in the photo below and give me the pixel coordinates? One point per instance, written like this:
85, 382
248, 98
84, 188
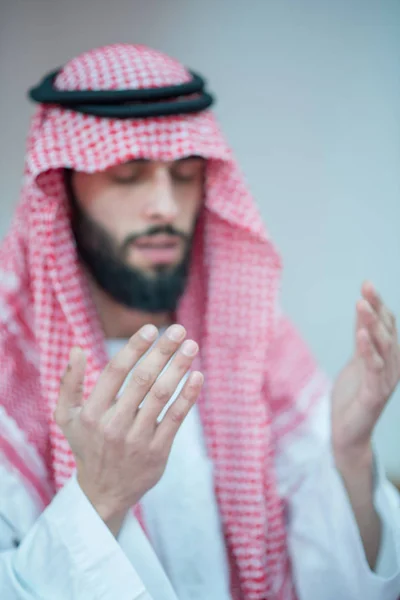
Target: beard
104, 259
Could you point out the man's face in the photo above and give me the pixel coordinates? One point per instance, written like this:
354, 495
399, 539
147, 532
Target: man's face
144, 212
133, 226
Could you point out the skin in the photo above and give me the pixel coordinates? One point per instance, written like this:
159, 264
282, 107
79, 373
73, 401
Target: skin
359, 396
121, 452
129, 199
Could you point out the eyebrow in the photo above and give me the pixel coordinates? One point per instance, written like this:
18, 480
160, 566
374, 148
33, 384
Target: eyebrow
191, 157
136, 160
184, 159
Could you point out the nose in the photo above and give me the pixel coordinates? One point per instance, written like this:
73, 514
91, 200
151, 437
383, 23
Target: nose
161, 206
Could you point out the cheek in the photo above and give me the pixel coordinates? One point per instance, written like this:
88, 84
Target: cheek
109, 209
190, 204
109, 206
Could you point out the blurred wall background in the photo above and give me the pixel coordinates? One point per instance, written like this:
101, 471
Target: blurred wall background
309, 98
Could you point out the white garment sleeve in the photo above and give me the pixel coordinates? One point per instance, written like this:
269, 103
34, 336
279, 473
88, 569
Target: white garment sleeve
66, 552
326, 549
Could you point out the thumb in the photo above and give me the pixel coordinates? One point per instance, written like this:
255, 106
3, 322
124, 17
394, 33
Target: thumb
71, 387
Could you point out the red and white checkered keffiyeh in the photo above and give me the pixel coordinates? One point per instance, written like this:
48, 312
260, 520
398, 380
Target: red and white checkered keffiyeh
255, 363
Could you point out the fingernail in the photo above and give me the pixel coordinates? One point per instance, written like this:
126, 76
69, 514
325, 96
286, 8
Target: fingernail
189, 348
75, 354
197, 378
176, 333
149, 332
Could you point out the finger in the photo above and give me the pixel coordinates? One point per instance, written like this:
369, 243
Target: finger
144, 376
366, 315
165, 386
373, 297
389, 320
369, 320
117, 370
71, 387
177, 412
368, 352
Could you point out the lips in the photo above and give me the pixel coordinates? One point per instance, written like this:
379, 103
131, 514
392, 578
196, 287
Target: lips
159, 241
161, 249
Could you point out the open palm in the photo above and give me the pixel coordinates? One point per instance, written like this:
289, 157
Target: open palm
365, 385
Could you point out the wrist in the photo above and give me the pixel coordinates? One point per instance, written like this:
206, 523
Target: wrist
111, 516
108, 511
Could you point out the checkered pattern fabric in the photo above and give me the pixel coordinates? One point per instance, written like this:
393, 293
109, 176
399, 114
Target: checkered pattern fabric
254, 361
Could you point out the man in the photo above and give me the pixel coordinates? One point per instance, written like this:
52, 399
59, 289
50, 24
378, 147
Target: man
137, 266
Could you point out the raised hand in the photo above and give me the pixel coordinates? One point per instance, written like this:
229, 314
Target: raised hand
365, 385
121, 450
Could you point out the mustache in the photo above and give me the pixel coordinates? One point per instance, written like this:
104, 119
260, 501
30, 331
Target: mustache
153, 231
